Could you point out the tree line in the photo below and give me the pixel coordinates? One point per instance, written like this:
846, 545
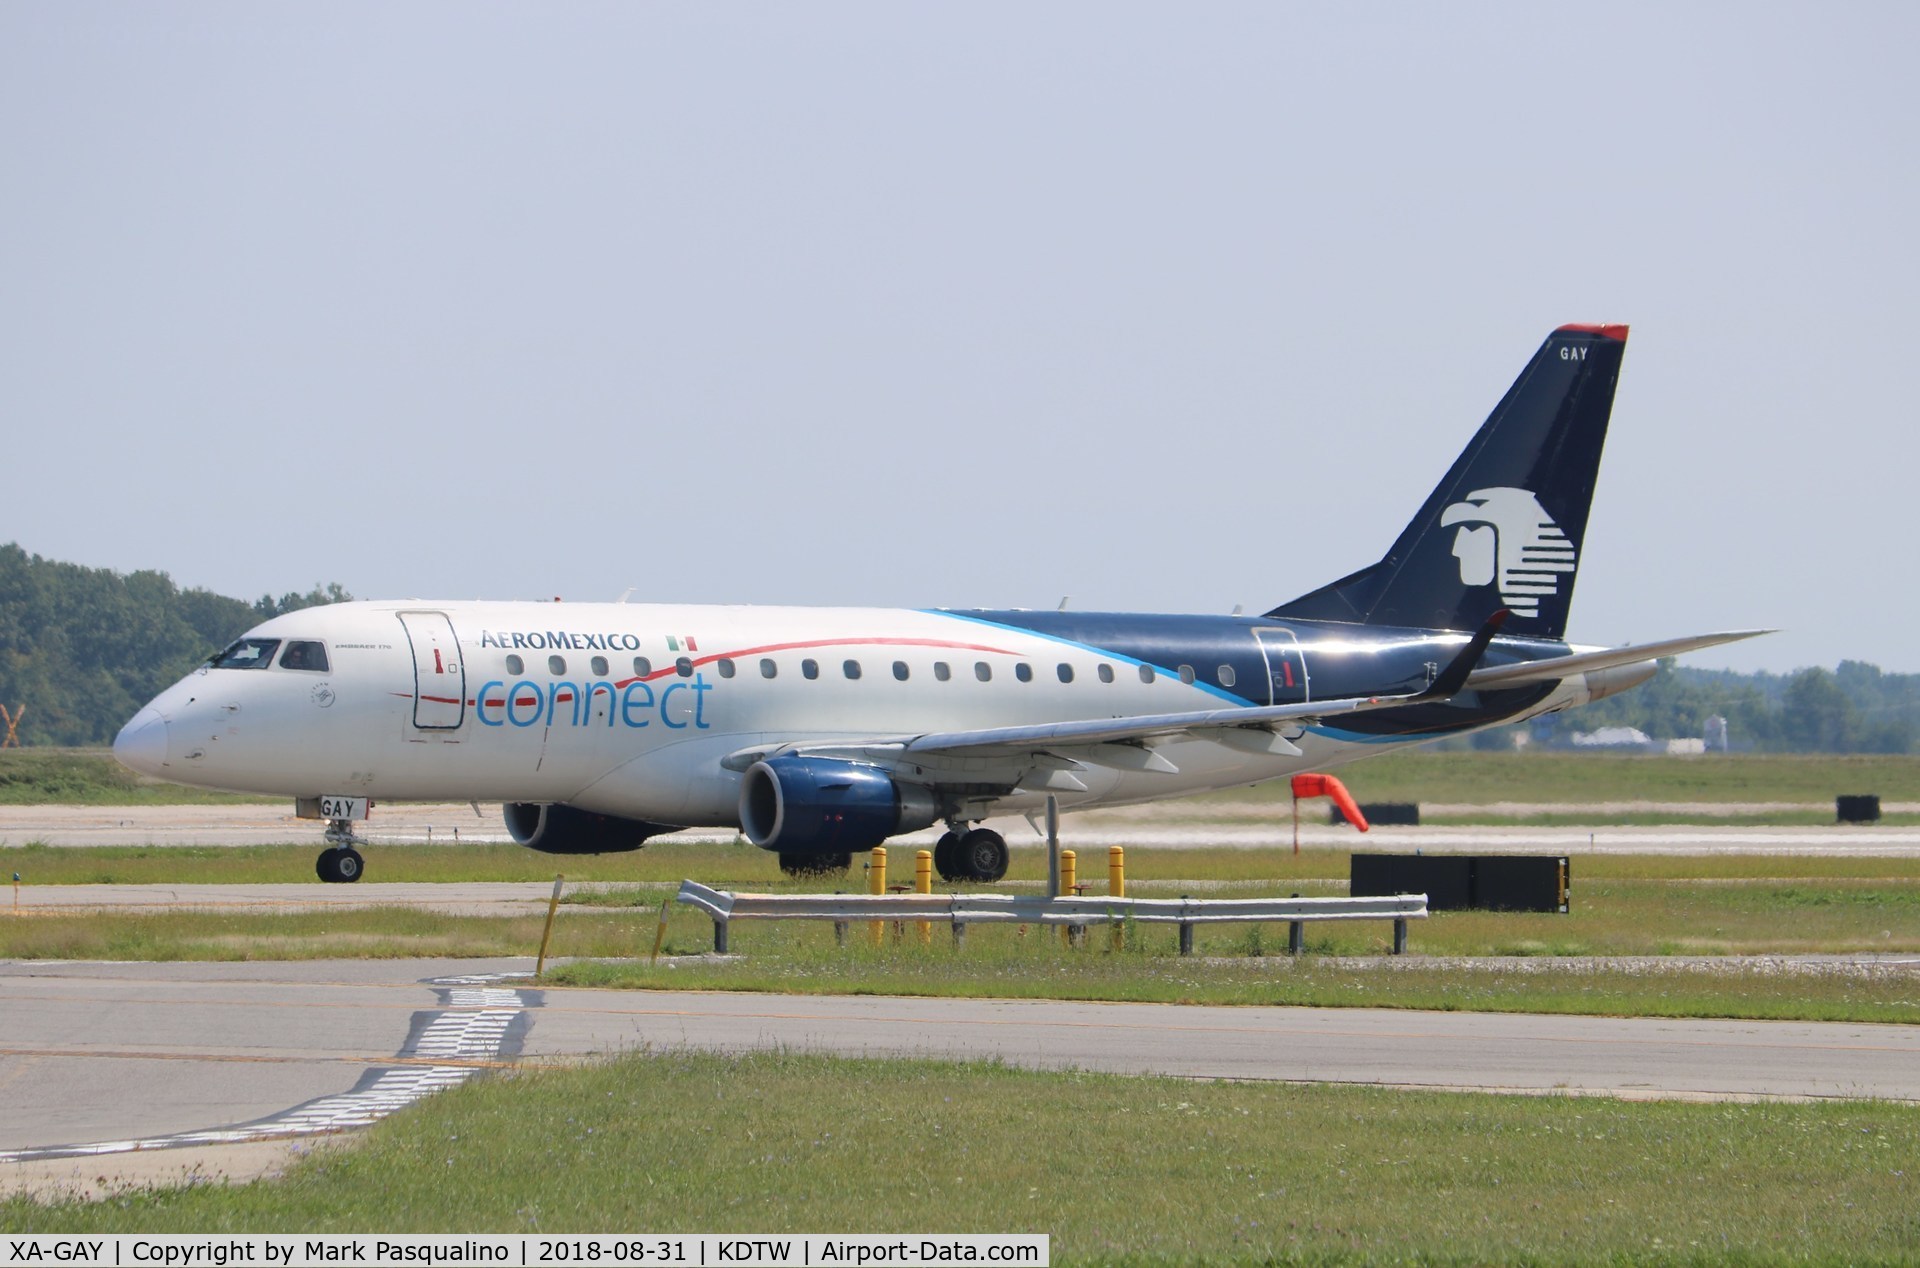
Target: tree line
82, 648
1855, 708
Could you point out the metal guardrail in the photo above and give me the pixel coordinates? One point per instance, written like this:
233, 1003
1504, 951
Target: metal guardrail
961, 910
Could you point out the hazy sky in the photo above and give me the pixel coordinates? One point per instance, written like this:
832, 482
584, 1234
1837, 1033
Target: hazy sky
1165, 308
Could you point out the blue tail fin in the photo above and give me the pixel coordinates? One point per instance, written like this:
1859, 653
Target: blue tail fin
1505, 528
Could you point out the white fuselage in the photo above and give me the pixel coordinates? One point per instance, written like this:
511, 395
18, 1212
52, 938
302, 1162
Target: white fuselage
632, 709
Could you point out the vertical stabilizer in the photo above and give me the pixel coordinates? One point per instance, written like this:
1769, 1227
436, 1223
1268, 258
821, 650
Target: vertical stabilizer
1506, 527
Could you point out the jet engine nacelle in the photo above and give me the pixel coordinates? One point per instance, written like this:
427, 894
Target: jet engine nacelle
563, 829
823, 805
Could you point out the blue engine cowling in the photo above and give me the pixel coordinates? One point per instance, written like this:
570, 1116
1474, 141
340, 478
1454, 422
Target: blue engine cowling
564, 829
824, 805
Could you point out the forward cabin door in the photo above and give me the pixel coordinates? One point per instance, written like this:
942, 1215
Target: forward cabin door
1287, 681
439, 677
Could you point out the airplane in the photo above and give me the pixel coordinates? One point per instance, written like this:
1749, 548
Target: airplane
818, 732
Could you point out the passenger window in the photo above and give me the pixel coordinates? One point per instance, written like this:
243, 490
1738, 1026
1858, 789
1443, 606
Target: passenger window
1146, 673
941, 670
1227, 676
683, 667
556, 665
515, 665
1023, 671
1186, 674
301, 654
851, 668
900, 670
1106, 673
809, 668
983, 671
767, 668
725, 667
599, 666
1066, 672
248, 653
642, 666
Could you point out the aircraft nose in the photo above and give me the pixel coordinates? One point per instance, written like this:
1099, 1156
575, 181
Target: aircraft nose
142, 743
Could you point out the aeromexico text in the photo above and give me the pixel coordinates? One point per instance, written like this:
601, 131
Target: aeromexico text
554, 640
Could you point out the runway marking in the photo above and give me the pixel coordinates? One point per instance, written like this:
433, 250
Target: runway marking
469, 1033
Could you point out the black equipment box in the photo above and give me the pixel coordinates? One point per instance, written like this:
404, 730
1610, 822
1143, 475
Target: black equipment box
1466, 882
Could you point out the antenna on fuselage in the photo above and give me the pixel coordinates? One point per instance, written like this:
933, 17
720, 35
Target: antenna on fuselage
623, 595
1238, 608
1063, 603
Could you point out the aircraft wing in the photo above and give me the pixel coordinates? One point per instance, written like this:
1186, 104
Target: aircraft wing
1555, 667
1128, 741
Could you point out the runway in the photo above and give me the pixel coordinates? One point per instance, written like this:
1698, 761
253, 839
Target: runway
1172, 826
120, 1059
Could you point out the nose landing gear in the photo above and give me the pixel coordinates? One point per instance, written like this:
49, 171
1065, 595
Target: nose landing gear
340, 863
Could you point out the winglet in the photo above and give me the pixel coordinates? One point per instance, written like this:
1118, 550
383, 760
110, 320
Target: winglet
1454, 677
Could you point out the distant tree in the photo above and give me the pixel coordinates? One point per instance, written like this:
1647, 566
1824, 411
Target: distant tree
1816, 714
82, 648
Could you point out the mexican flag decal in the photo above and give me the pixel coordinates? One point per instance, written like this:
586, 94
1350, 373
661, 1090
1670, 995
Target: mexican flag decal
679, 644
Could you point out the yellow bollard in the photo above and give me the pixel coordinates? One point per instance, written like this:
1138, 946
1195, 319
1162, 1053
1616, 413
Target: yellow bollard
923, 884
877, 884
1117, 886
1068, 863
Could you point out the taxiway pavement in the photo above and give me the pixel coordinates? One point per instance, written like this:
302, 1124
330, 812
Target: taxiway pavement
143, 1058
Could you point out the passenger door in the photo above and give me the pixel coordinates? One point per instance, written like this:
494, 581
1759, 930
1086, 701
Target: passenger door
439, 677
1287, 680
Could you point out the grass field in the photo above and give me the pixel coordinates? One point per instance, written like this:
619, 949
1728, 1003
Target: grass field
1679, 908
1114, 1169
89, 777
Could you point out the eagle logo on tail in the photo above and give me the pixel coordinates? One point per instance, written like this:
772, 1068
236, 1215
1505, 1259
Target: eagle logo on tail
1516, 545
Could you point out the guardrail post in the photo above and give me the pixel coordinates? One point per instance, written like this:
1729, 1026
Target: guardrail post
719, 936
959, 935
839, 933
1400, 935
1296, 937
877, 884
1186, 931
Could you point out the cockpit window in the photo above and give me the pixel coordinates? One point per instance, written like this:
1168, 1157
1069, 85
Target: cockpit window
246, 653
302, 654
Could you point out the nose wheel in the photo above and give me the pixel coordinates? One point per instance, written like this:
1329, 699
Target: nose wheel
340, 863
339, 866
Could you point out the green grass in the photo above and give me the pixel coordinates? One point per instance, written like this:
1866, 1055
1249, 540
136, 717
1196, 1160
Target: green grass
1114, 1169
90, 777
1623, 905
1478, 778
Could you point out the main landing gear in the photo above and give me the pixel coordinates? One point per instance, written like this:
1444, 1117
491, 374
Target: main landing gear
977, 854
340, 863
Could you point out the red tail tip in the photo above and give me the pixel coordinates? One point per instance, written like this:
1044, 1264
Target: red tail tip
1605, 332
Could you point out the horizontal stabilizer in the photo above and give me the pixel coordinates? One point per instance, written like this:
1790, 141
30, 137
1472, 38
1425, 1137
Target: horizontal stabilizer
1584, 662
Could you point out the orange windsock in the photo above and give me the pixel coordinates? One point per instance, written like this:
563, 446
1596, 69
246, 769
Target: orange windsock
1314, 785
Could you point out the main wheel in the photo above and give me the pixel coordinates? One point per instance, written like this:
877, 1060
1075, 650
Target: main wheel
946, 857
814, 864
983, 855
